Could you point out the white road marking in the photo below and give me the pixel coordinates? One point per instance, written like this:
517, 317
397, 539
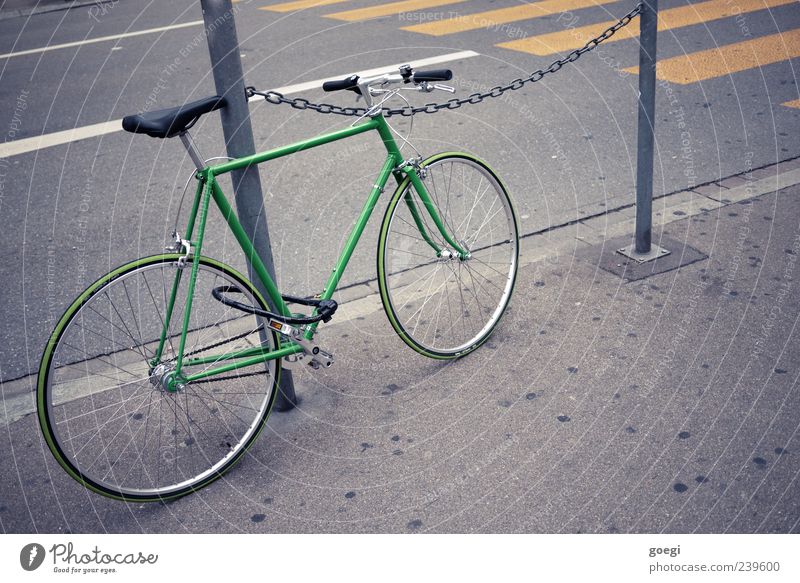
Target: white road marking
17, 147
24, 145
100, 39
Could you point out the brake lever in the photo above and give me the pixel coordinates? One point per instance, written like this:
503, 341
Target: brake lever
426, 87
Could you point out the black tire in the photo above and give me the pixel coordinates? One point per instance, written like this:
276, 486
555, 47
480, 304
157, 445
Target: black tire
439, 304
95, 396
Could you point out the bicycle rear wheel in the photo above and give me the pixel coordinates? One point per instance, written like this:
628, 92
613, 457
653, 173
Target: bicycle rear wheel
106, 418
439, 304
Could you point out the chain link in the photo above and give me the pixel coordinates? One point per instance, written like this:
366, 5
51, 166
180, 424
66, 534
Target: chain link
299, 103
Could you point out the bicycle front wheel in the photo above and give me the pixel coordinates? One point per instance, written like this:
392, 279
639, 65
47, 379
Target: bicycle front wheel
442, 305
106, 417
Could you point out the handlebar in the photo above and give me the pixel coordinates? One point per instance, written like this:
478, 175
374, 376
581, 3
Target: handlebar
352, 82
432, 75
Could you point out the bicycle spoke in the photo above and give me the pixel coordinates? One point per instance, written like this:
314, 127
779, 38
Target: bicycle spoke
215, 401
126, 432
435, 196
133, 313
470, 293
76, 417
500, 273
424, 303
144, 445
127, 330
426, 277
484, 223
97, 433
409, 252
110, 322
155, 305
119, 457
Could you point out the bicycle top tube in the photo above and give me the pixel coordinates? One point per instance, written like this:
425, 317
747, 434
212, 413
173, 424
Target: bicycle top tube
239, 163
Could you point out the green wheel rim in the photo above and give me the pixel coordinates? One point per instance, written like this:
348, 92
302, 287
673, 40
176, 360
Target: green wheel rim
407, 332
46, 424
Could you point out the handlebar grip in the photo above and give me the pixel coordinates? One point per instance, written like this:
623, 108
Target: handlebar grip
433, 75
349, 83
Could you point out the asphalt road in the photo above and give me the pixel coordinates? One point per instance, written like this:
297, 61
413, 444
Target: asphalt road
663, 405
565, 146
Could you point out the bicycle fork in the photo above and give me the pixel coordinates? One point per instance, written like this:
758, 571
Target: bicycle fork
422, 192
415, 172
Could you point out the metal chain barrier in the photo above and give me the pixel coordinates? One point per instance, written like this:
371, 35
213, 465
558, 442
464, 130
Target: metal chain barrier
299, 103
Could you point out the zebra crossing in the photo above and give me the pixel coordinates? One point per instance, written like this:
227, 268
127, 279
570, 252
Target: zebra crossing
728, 59
461, 16
670, 19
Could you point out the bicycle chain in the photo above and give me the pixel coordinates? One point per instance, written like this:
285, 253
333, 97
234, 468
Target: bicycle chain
299, 103
222, 343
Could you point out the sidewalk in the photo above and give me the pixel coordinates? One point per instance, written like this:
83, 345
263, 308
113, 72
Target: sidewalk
16, 8
601, 404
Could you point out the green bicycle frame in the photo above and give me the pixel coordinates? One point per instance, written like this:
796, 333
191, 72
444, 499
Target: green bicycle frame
208, 189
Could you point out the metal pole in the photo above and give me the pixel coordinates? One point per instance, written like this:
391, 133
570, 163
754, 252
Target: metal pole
642, 250
647, 106
223, 48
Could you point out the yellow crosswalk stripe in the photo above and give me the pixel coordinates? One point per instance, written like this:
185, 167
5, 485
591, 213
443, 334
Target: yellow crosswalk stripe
299, 5
564, 41
495, 18
390, 8
727, 59
795, 104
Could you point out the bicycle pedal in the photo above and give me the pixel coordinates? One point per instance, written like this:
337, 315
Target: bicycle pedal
320, 358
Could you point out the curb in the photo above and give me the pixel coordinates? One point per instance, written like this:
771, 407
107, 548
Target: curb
45, 9
362, 298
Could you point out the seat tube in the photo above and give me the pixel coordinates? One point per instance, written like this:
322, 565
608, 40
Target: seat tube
198, 245
167, 320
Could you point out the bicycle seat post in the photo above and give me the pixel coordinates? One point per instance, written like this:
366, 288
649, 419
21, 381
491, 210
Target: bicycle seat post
188, 143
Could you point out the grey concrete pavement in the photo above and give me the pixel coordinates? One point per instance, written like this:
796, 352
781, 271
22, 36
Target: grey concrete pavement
565, 146
666, 404
26, 8
601, 404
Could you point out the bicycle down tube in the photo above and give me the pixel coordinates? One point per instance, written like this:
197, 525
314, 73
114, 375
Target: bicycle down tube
209, 189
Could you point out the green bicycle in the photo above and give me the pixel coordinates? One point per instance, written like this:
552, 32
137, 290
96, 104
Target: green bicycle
152, 384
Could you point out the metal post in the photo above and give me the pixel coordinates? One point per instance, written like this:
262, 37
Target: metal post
642, 250
223, 48
647, 105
